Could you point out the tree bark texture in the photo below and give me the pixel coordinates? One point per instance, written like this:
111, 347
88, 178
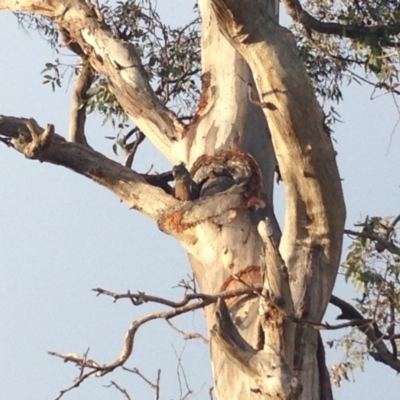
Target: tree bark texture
262, 346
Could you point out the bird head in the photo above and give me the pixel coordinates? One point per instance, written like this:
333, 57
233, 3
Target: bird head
179, 171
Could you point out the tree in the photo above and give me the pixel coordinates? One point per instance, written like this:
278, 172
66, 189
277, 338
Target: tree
276, 286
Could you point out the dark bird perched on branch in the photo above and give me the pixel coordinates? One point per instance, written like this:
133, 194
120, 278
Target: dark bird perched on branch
185, 187
217, 181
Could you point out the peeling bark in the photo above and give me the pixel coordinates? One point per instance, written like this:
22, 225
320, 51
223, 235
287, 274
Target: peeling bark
311, 242
118, 61
230, 231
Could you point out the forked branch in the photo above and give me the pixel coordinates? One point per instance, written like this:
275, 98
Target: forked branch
89, 368
224, 333
117, 60
26, 136
280, 381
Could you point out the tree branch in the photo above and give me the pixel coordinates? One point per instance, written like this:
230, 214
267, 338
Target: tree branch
394, 222
277, 302
388, 245
371, 331
115, 59
173, 216
154, 386
222, 90
120, 389
179, 308
315, 213
188, 336
298, 14
225, 334
44, 145
76, 132
141, 297
278, 383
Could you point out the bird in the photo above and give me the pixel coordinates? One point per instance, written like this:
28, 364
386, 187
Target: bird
186, 188
217, 181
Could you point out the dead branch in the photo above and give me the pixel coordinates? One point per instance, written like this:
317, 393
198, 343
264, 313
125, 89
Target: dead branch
179, 308
76, 383
34, 140
181, 371
188, 336
123, 391
26, 136
154, 386
204, 299
224, 332
353, 323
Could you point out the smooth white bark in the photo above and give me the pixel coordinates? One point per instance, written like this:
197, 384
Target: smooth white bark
257, 352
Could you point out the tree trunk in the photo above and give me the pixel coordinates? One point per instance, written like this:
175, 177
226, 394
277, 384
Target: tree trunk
263, 346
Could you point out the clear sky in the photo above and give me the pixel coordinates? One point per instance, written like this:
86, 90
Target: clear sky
62, 235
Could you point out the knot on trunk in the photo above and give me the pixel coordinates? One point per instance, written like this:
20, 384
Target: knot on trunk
35, 140
217, 173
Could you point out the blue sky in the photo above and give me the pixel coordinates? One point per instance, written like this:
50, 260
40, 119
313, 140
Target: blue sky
62, 235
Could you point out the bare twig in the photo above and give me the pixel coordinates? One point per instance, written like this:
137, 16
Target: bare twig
77, 382
204, 299
362, 322
97, 9
255, 101
154, 386
181, 371
158, 384
211, 393
188, 284
188, 336
123, 391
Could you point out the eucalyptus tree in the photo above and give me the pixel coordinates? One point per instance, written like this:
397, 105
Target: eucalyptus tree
255, 115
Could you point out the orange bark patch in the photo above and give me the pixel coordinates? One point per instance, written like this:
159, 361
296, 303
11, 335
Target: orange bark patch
173, 223
232, 159
249, 276
255, 202
204, 98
